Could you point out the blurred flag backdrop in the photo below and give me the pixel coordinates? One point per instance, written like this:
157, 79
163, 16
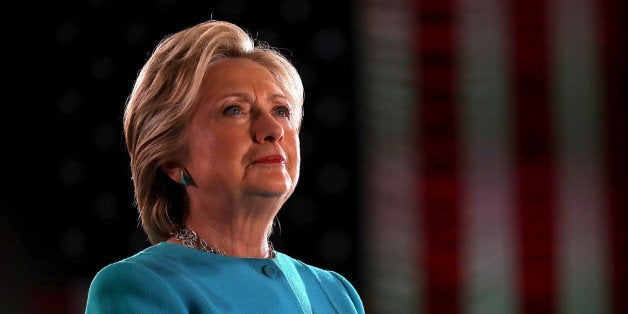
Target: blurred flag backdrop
490, 172
494, 143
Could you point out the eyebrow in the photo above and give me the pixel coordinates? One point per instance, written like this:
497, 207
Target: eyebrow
247, 96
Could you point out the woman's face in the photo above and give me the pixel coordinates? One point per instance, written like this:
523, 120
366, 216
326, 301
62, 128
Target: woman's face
243, 135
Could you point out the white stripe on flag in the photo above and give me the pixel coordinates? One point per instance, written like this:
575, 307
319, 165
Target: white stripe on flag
582, 248
388, 106
488, 240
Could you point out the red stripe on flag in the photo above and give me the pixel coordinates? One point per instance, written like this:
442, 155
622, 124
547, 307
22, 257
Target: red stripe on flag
613, 43
439, 144
534, 156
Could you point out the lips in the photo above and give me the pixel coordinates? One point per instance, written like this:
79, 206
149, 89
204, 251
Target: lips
271, 159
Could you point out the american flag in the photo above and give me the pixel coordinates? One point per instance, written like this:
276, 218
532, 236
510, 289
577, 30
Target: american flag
495, 156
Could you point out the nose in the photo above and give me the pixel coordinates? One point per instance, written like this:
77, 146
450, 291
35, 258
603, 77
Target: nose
266, 128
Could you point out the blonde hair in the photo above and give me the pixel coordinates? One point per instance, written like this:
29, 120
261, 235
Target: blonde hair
160, 105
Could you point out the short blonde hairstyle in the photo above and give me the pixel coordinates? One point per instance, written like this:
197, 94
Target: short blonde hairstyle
160, 106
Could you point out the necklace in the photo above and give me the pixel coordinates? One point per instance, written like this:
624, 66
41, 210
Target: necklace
190, 239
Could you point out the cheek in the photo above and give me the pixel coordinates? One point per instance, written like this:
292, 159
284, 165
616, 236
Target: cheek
292, 143
295, 165
215, 157
294, 150
204, 146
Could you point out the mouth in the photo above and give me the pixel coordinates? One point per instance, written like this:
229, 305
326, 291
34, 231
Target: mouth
271, 159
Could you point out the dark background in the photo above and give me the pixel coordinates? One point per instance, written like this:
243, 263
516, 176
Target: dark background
66, 205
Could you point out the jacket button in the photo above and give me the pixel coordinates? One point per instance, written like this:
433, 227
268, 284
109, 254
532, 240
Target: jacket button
269, 271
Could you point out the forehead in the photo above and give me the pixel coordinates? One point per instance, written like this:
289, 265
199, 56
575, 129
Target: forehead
237, 73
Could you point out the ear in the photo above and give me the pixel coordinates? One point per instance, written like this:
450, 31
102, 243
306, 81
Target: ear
172, 170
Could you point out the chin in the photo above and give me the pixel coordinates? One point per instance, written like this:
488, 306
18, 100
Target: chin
271, 190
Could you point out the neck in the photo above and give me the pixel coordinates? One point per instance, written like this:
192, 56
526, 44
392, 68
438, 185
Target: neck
234, 238
190, 238
238, 227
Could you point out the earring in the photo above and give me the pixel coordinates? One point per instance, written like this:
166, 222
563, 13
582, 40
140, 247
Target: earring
185, 180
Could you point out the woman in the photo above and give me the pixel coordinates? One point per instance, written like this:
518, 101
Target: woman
211, 128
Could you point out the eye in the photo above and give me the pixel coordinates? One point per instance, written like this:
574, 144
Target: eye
282, 111
232, 110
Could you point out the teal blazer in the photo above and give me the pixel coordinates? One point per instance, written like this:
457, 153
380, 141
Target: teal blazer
170, 278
